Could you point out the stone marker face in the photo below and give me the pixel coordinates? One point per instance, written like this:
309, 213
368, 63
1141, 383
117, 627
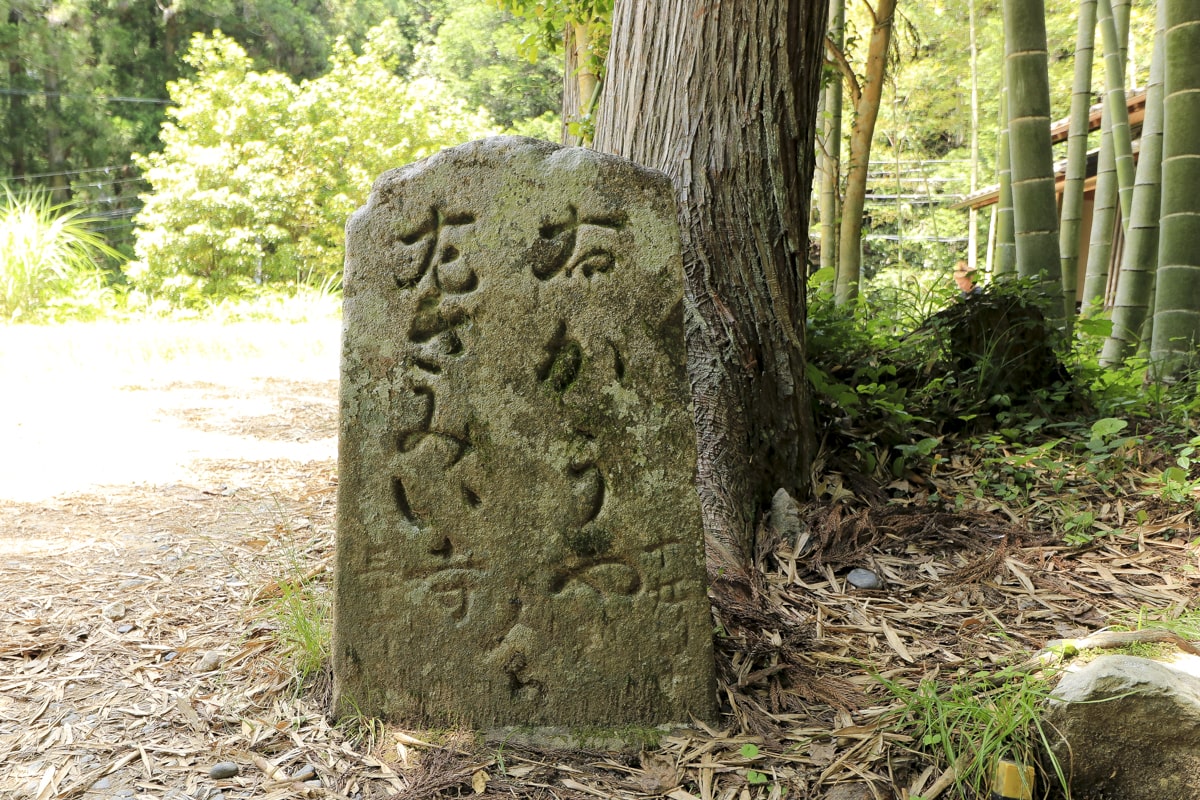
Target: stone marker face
519, 538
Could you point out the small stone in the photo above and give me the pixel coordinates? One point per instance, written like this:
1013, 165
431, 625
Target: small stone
209, 661
170, 655
126, 628
125, 793
785, 516
225, 769
305, 773
114, 611
133, 583
103, 783
864, 579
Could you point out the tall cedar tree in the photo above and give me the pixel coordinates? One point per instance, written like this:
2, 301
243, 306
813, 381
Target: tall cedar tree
722, 97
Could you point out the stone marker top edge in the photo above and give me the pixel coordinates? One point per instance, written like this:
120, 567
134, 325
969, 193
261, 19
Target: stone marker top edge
509, 146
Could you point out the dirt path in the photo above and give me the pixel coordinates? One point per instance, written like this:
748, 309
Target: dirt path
144, 501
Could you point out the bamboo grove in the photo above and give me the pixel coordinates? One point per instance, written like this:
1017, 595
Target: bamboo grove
1109, 233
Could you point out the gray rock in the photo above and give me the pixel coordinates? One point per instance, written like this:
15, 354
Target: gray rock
850, 791
224, 769
305, 773
519, 538
785, 516
864, 579
114, 611
101, 784
126, 628
1130, 727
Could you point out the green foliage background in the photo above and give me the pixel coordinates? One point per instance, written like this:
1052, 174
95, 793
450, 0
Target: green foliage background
258, 173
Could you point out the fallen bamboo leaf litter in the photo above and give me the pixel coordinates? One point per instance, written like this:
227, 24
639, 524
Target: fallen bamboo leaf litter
87, 702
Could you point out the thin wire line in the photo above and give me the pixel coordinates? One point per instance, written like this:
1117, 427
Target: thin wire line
57, 174
106, 98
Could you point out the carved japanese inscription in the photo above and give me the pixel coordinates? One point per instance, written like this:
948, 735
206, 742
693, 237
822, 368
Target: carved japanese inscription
519, 539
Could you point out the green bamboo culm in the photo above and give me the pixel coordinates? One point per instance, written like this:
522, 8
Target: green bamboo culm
1035, 206
1105, 198
1006, 246
830, 157
1135, 284
1077, 146
1177, 297
1115, 47
1104, 222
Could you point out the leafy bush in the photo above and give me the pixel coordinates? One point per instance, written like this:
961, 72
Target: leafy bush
258, 174
48, 259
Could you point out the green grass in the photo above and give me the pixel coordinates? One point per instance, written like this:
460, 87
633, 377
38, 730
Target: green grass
48, 259
304, 615
978, 720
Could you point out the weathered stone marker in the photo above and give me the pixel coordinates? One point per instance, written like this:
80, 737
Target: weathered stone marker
519, 539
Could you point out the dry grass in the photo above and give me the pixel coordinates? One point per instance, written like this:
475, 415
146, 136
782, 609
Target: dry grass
91, 705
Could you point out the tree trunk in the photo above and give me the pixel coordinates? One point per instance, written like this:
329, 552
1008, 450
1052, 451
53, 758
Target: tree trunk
1106, 197
1077, 147
56, 156
570, 98
1104, 221
1177, 297
862, 131
580, 85
18, 123
1006, 245
973, 215
722, 97
1114, 99
1135, 285
1035, 206
831, 147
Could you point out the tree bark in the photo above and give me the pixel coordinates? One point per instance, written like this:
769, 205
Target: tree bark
722, 98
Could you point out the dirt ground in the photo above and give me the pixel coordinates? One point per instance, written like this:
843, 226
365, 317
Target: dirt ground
156, 482
148, 490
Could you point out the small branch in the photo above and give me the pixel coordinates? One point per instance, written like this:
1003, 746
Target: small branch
838, 58
871, 10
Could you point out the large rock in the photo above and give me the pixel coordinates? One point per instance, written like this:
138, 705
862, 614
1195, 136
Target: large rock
519, 538
1130, 728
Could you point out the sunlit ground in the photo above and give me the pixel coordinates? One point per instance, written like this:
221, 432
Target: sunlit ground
85, 405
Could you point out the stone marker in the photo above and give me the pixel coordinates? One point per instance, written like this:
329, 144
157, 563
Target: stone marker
519, 538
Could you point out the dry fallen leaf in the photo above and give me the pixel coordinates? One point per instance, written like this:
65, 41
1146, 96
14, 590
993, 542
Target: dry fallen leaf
479, 781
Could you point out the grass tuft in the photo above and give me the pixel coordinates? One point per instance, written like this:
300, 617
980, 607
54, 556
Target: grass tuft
48, 259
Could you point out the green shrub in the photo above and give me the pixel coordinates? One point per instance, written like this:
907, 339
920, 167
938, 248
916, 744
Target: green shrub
48, 259
258, 174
